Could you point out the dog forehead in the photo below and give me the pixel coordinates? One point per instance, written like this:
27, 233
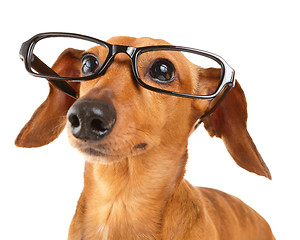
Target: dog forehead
136, 42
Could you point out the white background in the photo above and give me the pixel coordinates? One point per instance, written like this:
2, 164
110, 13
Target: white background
260, 39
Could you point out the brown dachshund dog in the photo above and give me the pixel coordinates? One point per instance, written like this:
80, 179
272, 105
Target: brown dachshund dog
134, 186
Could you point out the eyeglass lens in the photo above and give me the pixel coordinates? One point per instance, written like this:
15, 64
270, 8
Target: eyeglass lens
49, 50
170, 70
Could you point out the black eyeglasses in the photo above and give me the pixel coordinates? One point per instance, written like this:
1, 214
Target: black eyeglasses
154, 67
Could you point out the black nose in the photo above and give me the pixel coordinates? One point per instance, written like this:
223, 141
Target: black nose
91, 119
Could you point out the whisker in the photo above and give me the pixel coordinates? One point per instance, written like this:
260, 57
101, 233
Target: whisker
148, 135
63, 115
58, 125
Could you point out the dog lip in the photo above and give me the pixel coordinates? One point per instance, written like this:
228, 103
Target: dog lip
98, 153
92, 152
140, 146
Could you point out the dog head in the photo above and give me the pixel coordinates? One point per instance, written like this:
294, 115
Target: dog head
115, 118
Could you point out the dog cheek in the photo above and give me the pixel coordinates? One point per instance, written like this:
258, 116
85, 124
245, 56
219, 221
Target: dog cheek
178, 124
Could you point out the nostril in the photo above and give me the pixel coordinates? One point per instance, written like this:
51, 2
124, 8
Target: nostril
99, 126
74, 120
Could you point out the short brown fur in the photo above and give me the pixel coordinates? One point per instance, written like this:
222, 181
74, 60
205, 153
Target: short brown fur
134, 192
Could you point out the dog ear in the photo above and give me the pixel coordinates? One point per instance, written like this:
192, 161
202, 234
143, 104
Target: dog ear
229, 122
49, 119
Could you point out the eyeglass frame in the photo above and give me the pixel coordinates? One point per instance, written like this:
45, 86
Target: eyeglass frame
227, 79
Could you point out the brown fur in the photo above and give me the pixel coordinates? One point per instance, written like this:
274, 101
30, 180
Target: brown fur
137, 190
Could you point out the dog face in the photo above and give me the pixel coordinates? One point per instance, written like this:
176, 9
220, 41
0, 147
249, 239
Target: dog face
115, 118
140, 120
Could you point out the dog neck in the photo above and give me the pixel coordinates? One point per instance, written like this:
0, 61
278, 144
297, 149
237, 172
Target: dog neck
126, 200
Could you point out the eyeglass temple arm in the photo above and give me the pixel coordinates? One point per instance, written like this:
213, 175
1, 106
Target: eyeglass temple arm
42, 68
210, 111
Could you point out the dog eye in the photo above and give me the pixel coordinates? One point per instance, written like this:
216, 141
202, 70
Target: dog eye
162, 71
89, 64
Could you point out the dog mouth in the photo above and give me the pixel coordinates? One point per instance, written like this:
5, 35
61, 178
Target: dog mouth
115, 148
93, 152
111, 152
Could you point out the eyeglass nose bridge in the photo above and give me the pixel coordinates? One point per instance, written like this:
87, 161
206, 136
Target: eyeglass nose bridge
130, 51
115, 49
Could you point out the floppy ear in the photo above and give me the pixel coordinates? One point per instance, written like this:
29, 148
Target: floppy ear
229, 122
49, 119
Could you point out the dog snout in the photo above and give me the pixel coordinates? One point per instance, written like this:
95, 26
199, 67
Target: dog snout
91, 119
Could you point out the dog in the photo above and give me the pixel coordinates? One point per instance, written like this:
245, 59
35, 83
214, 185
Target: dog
134, 186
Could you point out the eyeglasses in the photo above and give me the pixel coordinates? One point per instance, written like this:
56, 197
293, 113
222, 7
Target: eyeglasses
154, 67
